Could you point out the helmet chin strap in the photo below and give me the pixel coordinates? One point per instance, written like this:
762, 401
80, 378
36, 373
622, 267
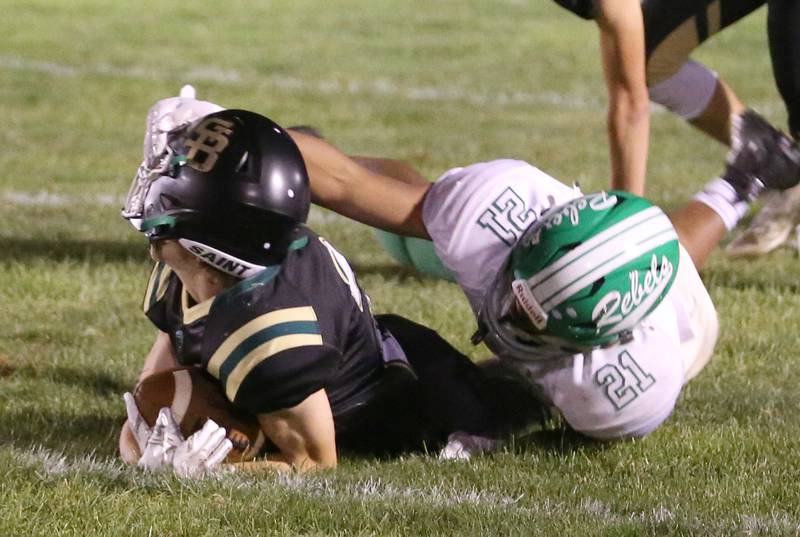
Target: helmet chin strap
220, 260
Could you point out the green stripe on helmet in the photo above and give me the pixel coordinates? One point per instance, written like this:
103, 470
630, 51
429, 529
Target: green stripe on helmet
595, 267
161, 220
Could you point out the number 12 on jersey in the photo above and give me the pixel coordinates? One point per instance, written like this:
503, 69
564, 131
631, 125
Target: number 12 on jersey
625, 382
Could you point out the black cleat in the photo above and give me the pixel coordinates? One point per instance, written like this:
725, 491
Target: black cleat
761, 157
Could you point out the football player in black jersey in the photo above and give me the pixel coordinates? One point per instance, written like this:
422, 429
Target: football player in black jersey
243, 290
645, 47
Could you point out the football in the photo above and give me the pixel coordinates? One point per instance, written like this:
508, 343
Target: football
194, 397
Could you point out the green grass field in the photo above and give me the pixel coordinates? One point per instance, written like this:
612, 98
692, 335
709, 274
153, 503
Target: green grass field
440, 83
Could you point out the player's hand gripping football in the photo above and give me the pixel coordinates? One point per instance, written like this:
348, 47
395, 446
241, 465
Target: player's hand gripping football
157, 445
202, 452
163, 445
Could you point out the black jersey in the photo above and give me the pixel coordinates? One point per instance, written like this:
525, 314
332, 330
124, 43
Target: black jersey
582, 8
662, 17
277, 337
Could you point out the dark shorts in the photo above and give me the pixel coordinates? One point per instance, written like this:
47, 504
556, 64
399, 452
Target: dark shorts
674, 28
450, 393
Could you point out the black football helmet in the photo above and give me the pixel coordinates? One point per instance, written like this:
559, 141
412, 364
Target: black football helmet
232, 191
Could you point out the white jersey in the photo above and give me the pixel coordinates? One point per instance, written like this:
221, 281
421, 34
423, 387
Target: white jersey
476, 214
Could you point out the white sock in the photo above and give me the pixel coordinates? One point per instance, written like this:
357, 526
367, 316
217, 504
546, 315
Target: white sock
720, 196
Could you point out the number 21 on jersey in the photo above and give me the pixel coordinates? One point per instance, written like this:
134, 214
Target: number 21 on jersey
507, 217
625, 382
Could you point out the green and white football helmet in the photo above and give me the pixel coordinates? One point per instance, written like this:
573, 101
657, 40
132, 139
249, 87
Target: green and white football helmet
584, 275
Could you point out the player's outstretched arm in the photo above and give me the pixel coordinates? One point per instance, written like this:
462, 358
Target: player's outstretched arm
623, 52
383, 193
304, 434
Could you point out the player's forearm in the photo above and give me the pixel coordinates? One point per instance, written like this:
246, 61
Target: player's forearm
396, 169
622, 49
304, 434
281, 463
370, 196
380, 202
628, 135
161, 356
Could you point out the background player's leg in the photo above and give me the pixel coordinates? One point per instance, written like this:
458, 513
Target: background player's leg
715, 119
783, 23
774, 224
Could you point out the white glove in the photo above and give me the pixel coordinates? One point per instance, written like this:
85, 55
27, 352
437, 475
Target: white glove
202, 452
164, 439
157, 445
462, 446
136, 423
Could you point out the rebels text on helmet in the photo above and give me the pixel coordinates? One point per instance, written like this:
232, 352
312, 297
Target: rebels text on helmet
614, 307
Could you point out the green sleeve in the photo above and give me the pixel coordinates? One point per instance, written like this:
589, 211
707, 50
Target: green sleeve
414, 252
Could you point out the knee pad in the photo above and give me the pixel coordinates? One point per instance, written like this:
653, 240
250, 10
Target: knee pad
687, 92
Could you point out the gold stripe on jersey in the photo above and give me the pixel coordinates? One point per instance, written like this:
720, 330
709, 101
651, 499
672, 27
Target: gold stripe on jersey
263, 352
303, 313
198, 311
157, 285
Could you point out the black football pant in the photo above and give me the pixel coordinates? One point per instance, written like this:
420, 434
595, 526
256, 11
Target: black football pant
450, 393
783, 27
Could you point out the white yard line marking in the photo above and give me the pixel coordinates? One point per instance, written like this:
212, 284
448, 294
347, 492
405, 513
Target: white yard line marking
43, 198
380, 87
51, 464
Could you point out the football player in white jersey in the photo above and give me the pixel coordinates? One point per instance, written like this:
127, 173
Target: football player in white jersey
596, 299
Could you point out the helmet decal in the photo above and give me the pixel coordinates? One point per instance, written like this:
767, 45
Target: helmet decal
221, 260
584, 274
206, 142
616, 307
